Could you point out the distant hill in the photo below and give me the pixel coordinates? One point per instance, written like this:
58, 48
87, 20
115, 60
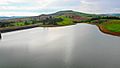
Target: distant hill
5, 17
73, 12
69, 13
114, 14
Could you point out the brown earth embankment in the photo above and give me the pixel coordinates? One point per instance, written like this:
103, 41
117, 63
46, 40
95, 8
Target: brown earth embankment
104, 30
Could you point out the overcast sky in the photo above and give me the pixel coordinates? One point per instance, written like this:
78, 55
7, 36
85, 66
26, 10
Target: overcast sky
37, 7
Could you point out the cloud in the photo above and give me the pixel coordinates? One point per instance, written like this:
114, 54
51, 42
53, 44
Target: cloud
99, 6
18, 13
33, 7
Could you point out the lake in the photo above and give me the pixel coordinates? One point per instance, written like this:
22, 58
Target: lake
77, 46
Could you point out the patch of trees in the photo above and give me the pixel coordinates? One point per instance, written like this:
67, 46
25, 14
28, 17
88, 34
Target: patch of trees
105, 17
5, 24
47, 21
101, 19
51, 21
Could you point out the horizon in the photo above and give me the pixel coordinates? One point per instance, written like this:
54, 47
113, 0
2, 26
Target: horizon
57, 11
37, 7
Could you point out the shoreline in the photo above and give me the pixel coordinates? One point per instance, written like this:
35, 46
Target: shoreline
104, 30
10, 29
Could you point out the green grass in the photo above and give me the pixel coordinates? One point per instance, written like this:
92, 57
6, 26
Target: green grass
22, 23
113, 25
19, 24
66, 21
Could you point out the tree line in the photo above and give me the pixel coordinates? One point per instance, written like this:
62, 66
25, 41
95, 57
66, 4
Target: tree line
47, 21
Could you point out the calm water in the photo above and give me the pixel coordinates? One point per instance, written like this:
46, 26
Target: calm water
76, 46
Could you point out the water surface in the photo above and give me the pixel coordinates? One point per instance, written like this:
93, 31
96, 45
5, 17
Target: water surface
76, 46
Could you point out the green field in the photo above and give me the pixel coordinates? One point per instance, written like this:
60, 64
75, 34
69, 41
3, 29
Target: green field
66, 21
113, 25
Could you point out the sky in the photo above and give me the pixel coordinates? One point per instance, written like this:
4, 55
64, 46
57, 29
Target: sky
37, 7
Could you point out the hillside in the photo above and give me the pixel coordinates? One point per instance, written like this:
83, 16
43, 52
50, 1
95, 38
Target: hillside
13, 17
76, 16
114, 14
59, 13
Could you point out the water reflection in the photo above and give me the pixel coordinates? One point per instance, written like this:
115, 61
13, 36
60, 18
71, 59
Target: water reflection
77, 46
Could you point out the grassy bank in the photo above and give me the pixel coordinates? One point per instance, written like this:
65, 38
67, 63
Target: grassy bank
112, 25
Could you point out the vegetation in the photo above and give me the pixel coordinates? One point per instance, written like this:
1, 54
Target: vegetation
19, 24
14, 24
66, 21
63, 18
112, 25
51, 21
60, 13
47, 21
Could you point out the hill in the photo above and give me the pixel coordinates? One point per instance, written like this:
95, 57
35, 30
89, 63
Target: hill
114, 14
13, 17
59, 13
